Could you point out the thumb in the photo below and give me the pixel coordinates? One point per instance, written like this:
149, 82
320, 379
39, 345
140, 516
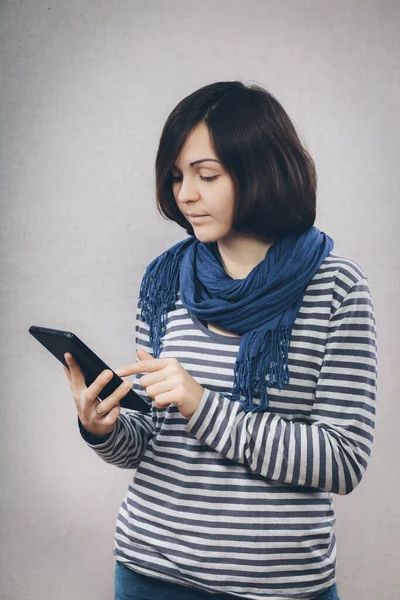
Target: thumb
142, 354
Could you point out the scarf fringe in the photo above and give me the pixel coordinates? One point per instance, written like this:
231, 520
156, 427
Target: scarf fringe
250, 372
158, 294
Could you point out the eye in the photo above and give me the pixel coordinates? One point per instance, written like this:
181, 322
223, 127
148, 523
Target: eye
208, 179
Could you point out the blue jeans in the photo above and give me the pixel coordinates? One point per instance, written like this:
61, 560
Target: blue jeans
129, 585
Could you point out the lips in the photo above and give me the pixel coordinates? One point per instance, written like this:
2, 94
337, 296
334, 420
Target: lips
193, 216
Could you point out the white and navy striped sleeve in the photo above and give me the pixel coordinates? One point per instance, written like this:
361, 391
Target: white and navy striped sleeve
126, 444
330, 450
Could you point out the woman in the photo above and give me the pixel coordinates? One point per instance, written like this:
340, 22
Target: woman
257, 351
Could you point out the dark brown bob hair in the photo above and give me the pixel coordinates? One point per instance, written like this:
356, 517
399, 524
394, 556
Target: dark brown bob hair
274, 176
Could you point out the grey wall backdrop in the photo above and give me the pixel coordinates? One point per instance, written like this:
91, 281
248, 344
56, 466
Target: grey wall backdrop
85, 89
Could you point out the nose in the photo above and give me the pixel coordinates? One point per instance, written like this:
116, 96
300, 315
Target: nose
186, 191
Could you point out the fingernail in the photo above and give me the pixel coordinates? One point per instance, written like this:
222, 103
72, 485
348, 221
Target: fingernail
107, 375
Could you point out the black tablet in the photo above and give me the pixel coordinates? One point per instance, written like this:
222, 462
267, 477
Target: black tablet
58, 342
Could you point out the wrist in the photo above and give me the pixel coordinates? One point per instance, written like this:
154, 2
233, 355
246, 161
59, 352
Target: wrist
93, 437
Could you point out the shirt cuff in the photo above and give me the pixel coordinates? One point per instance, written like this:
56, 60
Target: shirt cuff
94, 440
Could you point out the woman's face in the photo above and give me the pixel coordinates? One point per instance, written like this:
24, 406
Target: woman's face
204, 188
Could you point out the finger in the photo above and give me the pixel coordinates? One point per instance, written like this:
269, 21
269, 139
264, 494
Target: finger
161, 387
98, 384
131, 369
112, 415
142, 366
67, 373
121, 371
164, 399
106, 405
141, 352
77, 378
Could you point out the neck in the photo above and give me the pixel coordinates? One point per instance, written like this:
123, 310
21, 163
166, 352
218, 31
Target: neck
240, 253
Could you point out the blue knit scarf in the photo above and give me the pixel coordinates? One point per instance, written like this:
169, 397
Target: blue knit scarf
261, 308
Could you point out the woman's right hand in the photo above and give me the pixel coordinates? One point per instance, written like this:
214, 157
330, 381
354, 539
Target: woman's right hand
98, 422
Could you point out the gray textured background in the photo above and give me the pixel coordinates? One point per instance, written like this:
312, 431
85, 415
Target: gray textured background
85, 89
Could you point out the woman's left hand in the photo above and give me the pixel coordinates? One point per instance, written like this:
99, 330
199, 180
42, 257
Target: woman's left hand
166, 382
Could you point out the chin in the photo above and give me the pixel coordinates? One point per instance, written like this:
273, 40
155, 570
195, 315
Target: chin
207, 235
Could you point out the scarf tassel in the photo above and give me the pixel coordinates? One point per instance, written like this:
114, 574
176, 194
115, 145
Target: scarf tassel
250, 372
158, 296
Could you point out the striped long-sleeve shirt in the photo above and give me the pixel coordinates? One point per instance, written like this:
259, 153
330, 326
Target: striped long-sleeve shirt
241, 503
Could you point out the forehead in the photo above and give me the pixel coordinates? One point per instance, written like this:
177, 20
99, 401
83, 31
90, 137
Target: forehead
197, 145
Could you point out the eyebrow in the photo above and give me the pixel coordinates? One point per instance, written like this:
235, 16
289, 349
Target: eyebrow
201, 160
